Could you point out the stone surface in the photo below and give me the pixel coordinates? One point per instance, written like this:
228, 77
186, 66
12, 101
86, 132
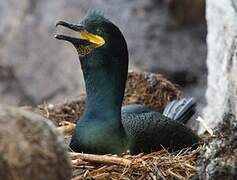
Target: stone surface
218, 160
31, 147
221, 60
45, 69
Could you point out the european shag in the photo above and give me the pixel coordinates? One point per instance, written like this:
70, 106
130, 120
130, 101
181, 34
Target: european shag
104, 127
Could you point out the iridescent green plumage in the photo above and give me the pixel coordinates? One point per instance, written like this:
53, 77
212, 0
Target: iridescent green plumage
102, 129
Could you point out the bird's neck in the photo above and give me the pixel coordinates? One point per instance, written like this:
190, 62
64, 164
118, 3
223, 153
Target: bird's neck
105, 91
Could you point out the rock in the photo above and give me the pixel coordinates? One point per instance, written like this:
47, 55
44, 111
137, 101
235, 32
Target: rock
218, 159
30, 147
221, 61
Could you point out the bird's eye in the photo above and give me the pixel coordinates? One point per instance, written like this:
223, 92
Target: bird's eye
99, 31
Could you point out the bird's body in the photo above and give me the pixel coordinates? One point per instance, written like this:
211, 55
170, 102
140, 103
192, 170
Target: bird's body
103, 128
148, 131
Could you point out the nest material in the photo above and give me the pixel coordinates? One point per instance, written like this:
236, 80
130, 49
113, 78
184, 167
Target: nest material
157, 165
30, 147
151, 90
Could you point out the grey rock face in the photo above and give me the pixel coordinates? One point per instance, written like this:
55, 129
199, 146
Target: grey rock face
221, 60
48, 70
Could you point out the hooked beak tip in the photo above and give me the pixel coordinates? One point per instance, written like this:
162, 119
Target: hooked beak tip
58, 36
60, 23
74, 27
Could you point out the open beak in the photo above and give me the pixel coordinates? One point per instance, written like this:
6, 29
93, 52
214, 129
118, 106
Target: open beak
86, 38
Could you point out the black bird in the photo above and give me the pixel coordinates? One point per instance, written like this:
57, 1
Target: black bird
102, 128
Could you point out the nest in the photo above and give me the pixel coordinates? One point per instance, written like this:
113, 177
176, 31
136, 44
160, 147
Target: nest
149, 89
158, 165
142, 88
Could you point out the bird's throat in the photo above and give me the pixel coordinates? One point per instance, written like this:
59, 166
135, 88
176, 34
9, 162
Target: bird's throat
105, 91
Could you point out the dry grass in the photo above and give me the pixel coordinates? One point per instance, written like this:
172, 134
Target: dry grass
158, 165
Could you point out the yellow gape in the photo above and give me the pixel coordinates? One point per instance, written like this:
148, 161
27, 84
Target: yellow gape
95, 39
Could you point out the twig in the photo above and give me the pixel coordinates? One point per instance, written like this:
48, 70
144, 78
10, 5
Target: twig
101, 159
190, 166
175, 175
209, 130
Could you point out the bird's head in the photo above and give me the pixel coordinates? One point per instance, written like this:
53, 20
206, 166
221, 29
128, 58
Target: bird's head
99, 42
